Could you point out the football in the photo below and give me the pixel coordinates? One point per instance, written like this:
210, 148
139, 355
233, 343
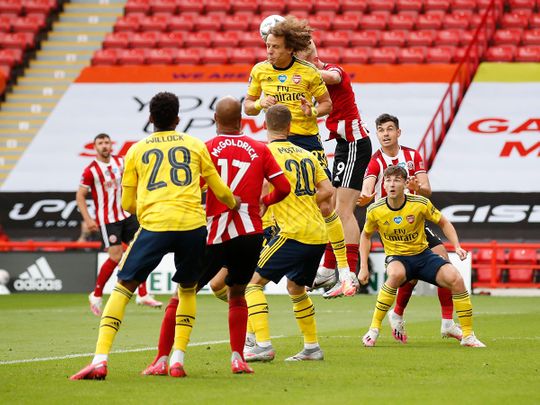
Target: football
4, 277
268, 23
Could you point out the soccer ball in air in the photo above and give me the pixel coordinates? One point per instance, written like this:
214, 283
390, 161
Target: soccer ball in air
4, 277
268, 23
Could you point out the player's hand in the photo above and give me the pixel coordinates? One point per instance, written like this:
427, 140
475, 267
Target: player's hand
305, 106
263, 208
364, 199
363, 276
238, 203
91, 225
462, 253
268, 102
413, 184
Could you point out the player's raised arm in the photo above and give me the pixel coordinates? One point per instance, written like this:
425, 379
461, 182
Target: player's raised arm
419, 184
368, 191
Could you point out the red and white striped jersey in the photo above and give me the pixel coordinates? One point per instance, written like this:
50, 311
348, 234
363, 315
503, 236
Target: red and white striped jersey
344, 121
104, 180
243, 164
407, 158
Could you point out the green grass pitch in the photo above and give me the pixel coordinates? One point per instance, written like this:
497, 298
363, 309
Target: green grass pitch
427, 369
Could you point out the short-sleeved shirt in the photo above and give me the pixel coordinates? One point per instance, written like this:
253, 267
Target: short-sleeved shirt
243, 163
287, 85
407, 158
166, 167
402, 229
298, 216
104, 181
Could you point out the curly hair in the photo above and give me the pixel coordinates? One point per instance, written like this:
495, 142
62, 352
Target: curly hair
164, 109
297, 33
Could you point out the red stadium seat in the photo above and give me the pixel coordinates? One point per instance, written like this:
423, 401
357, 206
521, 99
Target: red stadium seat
244, 55
190, 56
105, 57
409, 5
522, 4
335, 38
381, 5
320, 22
484, 256
252, 38
5, 22
28, 24
163, 6
353, 6
201, 39
293, 6
431, 21
137, 6
242, 5
174, 39
330, 55
325, 5
530, 53
182, 23
195, 6
531, 37
459, 55
535, 21
218, 56
383, 55
373, 22
402, 21
515, 19
132, 56
18, 40
11, 57
208, 23
236, 22
272, 7
144, 40
11, 6
217, 5
458, 19
507, 36
227, 39
155, 23
464, 5
346, 22
393, 38
356, 55
449, 37
525, 257
163, 56
421, 38
441, 5
501, 53
412, 55
440, 54
364, 38
128, 23
39, 6
117, 40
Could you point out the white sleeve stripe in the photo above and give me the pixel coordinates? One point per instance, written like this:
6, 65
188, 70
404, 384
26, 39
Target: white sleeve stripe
275, 174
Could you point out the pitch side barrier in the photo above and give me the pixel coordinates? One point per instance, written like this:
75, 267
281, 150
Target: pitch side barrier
57, 267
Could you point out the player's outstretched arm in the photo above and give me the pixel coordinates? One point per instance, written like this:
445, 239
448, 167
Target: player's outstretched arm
365, 248
129, 199
420, 184
80, 197
368, 191
451, 234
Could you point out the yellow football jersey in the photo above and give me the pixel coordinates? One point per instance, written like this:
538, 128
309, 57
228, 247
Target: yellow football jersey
402, 230
287, 85
165, 167
298, 216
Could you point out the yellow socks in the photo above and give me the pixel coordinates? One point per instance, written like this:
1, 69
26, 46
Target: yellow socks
222, 294
112, 317
258, 312
336, 236
304, 312
463, 307
385, 299
185, 317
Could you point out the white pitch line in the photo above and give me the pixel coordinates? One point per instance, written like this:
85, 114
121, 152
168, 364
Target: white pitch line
141, 349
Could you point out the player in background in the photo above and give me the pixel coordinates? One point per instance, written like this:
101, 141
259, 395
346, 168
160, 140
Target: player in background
161, 184
234, 237
400, 220
352, 155
296, 250
103, 179
392, 153
295, 83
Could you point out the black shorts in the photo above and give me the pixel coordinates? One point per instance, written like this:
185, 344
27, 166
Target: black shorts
287, 257
350, 163
117, 232
239, 255
432, 238
313, 144
148, 248
423, 266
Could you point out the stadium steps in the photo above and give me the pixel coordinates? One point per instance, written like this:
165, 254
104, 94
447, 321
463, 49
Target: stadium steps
68, 48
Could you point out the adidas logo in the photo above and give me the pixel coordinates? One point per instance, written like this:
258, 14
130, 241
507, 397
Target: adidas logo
38, 277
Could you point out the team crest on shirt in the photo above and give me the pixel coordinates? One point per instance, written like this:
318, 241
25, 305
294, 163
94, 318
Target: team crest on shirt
398, 220
282, 78
410, 165
296, 79
268, 79
410, 219
113, 238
